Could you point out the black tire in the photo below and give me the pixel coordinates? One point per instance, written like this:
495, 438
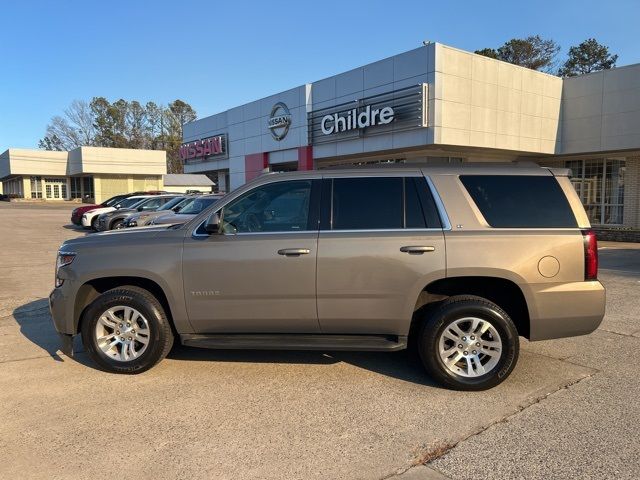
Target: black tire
160, 334
439, 317
117, 225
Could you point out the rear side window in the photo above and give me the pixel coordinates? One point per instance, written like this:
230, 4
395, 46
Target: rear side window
519, 201
367, 203
381, 203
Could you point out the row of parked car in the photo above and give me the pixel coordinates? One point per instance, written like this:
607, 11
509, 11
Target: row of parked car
140, 209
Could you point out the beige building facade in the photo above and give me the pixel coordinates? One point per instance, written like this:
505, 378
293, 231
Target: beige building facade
91, 174
440, 104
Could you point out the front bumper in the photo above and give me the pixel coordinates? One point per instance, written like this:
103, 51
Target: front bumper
102, 224
565, 309
62, 320
61, 308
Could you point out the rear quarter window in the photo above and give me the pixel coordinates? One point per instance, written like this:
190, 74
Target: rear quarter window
519, 201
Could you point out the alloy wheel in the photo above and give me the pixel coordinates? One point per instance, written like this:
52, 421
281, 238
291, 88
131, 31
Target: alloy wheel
470, 347
122, 333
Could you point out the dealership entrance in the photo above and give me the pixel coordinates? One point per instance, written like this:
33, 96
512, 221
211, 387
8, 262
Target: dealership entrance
55, 188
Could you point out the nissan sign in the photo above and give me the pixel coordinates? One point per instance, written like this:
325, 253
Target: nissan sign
279, 121
215, 147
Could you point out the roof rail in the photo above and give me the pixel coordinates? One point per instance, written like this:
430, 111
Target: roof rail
518, 163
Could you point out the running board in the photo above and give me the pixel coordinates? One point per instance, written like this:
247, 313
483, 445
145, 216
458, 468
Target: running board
289, 341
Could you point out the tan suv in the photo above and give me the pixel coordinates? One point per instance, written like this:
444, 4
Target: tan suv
458, 261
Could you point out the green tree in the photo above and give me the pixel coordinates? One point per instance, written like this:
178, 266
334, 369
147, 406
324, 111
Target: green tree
51, 143
121, 124
488, 52
533, 52
135, 120
589, 56
177, 114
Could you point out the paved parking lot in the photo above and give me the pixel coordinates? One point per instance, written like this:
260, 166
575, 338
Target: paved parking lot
570, 409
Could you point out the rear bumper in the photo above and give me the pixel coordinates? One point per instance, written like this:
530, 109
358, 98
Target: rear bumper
566, 309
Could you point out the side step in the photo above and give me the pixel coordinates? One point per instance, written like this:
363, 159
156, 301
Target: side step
289, 341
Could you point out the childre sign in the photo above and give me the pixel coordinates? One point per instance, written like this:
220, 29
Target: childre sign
353, 120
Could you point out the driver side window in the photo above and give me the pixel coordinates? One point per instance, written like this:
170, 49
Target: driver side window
276, 207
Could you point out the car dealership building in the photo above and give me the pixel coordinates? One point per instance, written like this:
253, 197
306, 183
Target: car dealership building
85, 173
438, 104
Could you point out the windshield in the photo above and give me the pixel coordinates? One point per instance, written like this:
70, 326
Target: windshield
197, 205
172, 203
131, 202
113, 201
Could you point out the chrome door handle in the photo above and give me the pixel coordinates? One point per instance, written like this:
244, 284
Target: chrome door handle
294, 252
417, 249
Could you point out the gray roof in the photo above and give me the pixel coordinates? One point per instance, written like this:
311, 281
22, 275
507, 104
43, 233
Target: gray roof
187, 179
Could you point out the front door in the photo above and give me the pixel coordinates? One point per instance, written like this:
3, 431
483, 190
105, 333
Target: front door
259, 274
380, 243
55, 188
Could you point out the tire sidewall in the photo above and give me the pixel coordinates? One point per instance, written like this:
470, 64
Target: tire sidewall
115, 223
151, 312
448, 313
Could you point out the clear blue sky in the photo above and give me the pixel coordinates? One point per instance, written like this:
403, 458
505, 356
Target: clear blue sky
219, 54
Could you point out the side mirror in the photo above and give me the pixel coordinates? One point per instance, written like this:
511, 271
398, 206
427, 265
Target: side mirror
212, 225
117, 206
176, 209
140, 209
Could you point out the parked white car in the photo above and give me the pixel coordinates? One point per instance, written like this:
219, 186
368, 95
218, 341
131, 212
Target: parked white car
90, 218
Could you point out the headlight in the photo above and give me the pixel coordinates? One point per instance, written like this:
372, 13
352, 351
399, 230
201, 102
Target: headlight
131, 223
64, 259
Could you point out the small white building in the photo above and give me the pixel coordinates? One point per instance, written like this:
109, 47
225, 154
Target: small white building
185, 182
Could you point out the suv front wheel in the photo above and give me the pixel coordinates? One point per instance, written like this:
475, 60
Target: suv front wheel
468, 343
126, 330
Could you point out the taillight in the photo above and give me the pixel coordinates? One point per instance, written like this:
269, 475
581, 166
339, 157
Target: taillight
590, 255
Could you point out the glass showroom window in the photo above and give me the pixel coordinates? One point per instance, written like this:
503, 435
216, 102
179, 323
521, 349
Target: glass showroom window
76, 187
36, 187
600, 186
87, 183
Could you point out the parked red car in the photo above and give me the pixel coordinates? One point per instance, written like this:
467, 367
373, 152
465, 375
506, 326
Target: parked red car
76, 215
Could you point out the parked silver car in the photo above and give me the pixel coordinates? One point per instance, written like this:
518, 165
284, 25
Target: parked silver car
186, 213
114, 220
140, 219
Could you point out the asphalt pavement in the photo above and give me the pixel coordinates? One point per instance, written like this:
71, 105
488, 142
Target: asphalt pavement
569, 409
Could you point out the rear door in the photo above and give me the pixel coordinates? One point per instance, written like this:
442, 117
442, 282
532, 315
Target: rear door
381, 242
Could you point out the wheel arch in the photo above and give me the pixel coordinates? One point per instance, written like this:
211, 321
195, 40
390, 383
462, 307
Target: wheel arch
503, 292
91, 289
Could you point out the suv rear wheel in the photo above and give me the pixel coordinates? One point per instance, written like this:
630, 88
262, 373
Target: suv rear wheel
126, 330
468, 343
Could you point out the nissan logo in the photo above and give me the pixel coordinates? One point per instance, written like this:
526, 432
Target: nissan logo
279, 121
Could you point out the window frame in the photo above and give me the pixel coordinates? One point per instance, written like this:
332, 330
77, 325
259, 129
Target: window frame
468, 190
313, 218
326, 214
602, 204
